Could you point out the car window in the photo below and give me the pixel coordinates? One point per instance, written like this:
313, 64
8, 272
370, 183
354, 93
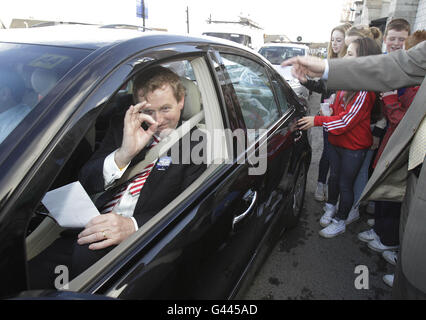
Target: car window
277, 54
27, 74
253, 90
280, 91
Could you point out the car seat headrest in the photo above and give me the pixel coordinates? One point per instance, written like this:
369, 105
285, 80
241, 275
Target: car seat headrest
43, 81
192, 104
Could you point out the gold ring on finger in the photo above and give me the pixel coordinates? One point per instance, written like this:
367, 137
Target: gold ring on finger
104, 234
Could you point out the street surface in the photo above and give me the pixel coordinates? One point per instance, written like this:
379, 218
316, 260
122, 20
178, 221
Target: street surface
304, 265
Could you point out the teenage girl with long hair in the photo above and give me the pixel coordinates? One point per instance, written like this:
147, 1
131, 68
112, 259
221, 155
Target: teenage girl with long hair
350, 137
336, 49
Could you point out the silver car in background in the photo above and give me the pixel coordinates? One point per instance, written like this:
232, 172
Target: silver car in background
276, 53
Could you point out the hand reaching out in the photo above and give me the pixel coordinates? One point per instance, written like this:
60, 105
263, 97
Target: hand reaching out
305, 123
304, 67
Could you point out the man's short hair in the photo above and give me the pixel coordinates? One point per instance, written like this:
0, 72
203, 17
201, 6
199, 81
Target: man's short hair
155, 78
398, 24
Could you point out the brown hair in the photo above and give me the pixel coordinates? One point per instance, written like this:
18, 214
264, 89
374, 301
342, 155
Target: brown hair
363, 31
398, 24
364, 47
330, 53
155, 78
415, 38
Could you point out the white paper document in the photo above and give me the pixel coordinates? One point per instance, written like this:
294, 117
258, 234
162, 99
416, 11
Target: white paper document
70, 206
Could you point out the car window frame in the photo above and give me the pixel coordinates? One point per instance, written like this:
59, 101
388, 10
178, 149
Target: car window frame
95, 100
92, 101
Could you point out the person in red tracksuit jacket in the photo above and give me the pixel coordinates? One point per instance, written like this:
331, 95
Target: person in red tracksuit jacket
350, 137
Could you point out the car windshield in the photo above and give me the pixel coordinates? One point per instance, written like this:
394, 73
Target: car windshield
27, 73
276, 55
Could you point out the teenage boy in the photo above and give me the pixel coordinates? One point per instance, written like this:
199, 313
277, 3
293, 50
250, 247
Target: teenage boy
395, 34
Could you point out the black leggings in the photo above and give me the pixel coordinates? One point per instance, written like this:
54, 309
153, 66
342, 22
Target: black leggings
386, 223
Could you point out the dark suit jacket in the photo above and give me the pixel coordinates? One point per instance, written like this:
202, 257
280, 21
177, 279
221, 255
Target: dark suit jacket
161, 187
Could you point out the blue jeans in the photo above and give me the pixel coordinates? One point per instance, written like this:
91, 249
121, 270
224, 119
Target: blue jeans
324, 164
344, 168
362, 177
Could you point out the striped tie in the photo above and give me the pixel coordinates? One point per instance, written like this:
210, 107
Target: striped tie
136, 184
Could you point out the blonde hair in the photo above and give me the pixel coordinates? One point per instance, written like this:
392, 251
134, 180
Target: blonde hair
330, 53
363, 31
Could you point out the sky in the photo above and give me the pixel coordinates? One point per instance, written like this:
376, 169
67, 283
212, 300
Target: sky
310, 19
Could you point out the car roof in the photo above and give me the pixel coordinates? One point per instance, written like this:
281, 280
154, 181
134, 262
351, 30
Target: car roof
78, 36
94, 36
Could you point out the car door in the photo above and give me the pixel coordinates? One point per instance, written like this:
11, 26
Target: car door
209, 238
266, 103
201, 243
205, 241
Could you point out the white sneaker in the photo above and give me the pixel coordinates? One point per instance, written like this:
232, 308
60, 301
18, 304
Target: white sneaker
320, 192
388, 279
378, 246
368, 235
330, 211
371, 222
390, 256
334, 229
352, 216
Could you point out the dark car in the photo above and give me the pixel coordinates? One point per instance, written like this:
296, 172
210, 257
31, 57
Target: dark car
205, 244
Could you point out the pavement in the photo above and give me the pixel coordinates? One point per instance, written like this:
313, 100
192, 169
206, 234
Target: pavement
304, 265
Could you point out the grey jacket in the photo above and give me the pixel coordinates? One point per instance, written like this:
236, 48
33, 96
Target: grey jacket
389, 180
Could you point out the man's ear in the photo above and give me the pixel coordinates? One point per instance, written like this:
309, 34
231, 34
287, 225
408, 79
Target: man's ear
181, 103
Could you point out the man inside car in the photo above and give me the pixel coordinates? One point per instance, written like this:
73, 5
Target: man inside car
127, 206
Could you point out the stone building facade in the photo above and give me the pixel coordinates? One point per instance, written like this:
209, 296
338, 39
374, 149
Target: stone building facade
420, 21
380, 12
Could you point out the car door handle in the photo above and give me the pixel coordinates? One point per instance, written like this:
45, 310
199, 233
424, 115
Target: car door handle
297, 135
249, 194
